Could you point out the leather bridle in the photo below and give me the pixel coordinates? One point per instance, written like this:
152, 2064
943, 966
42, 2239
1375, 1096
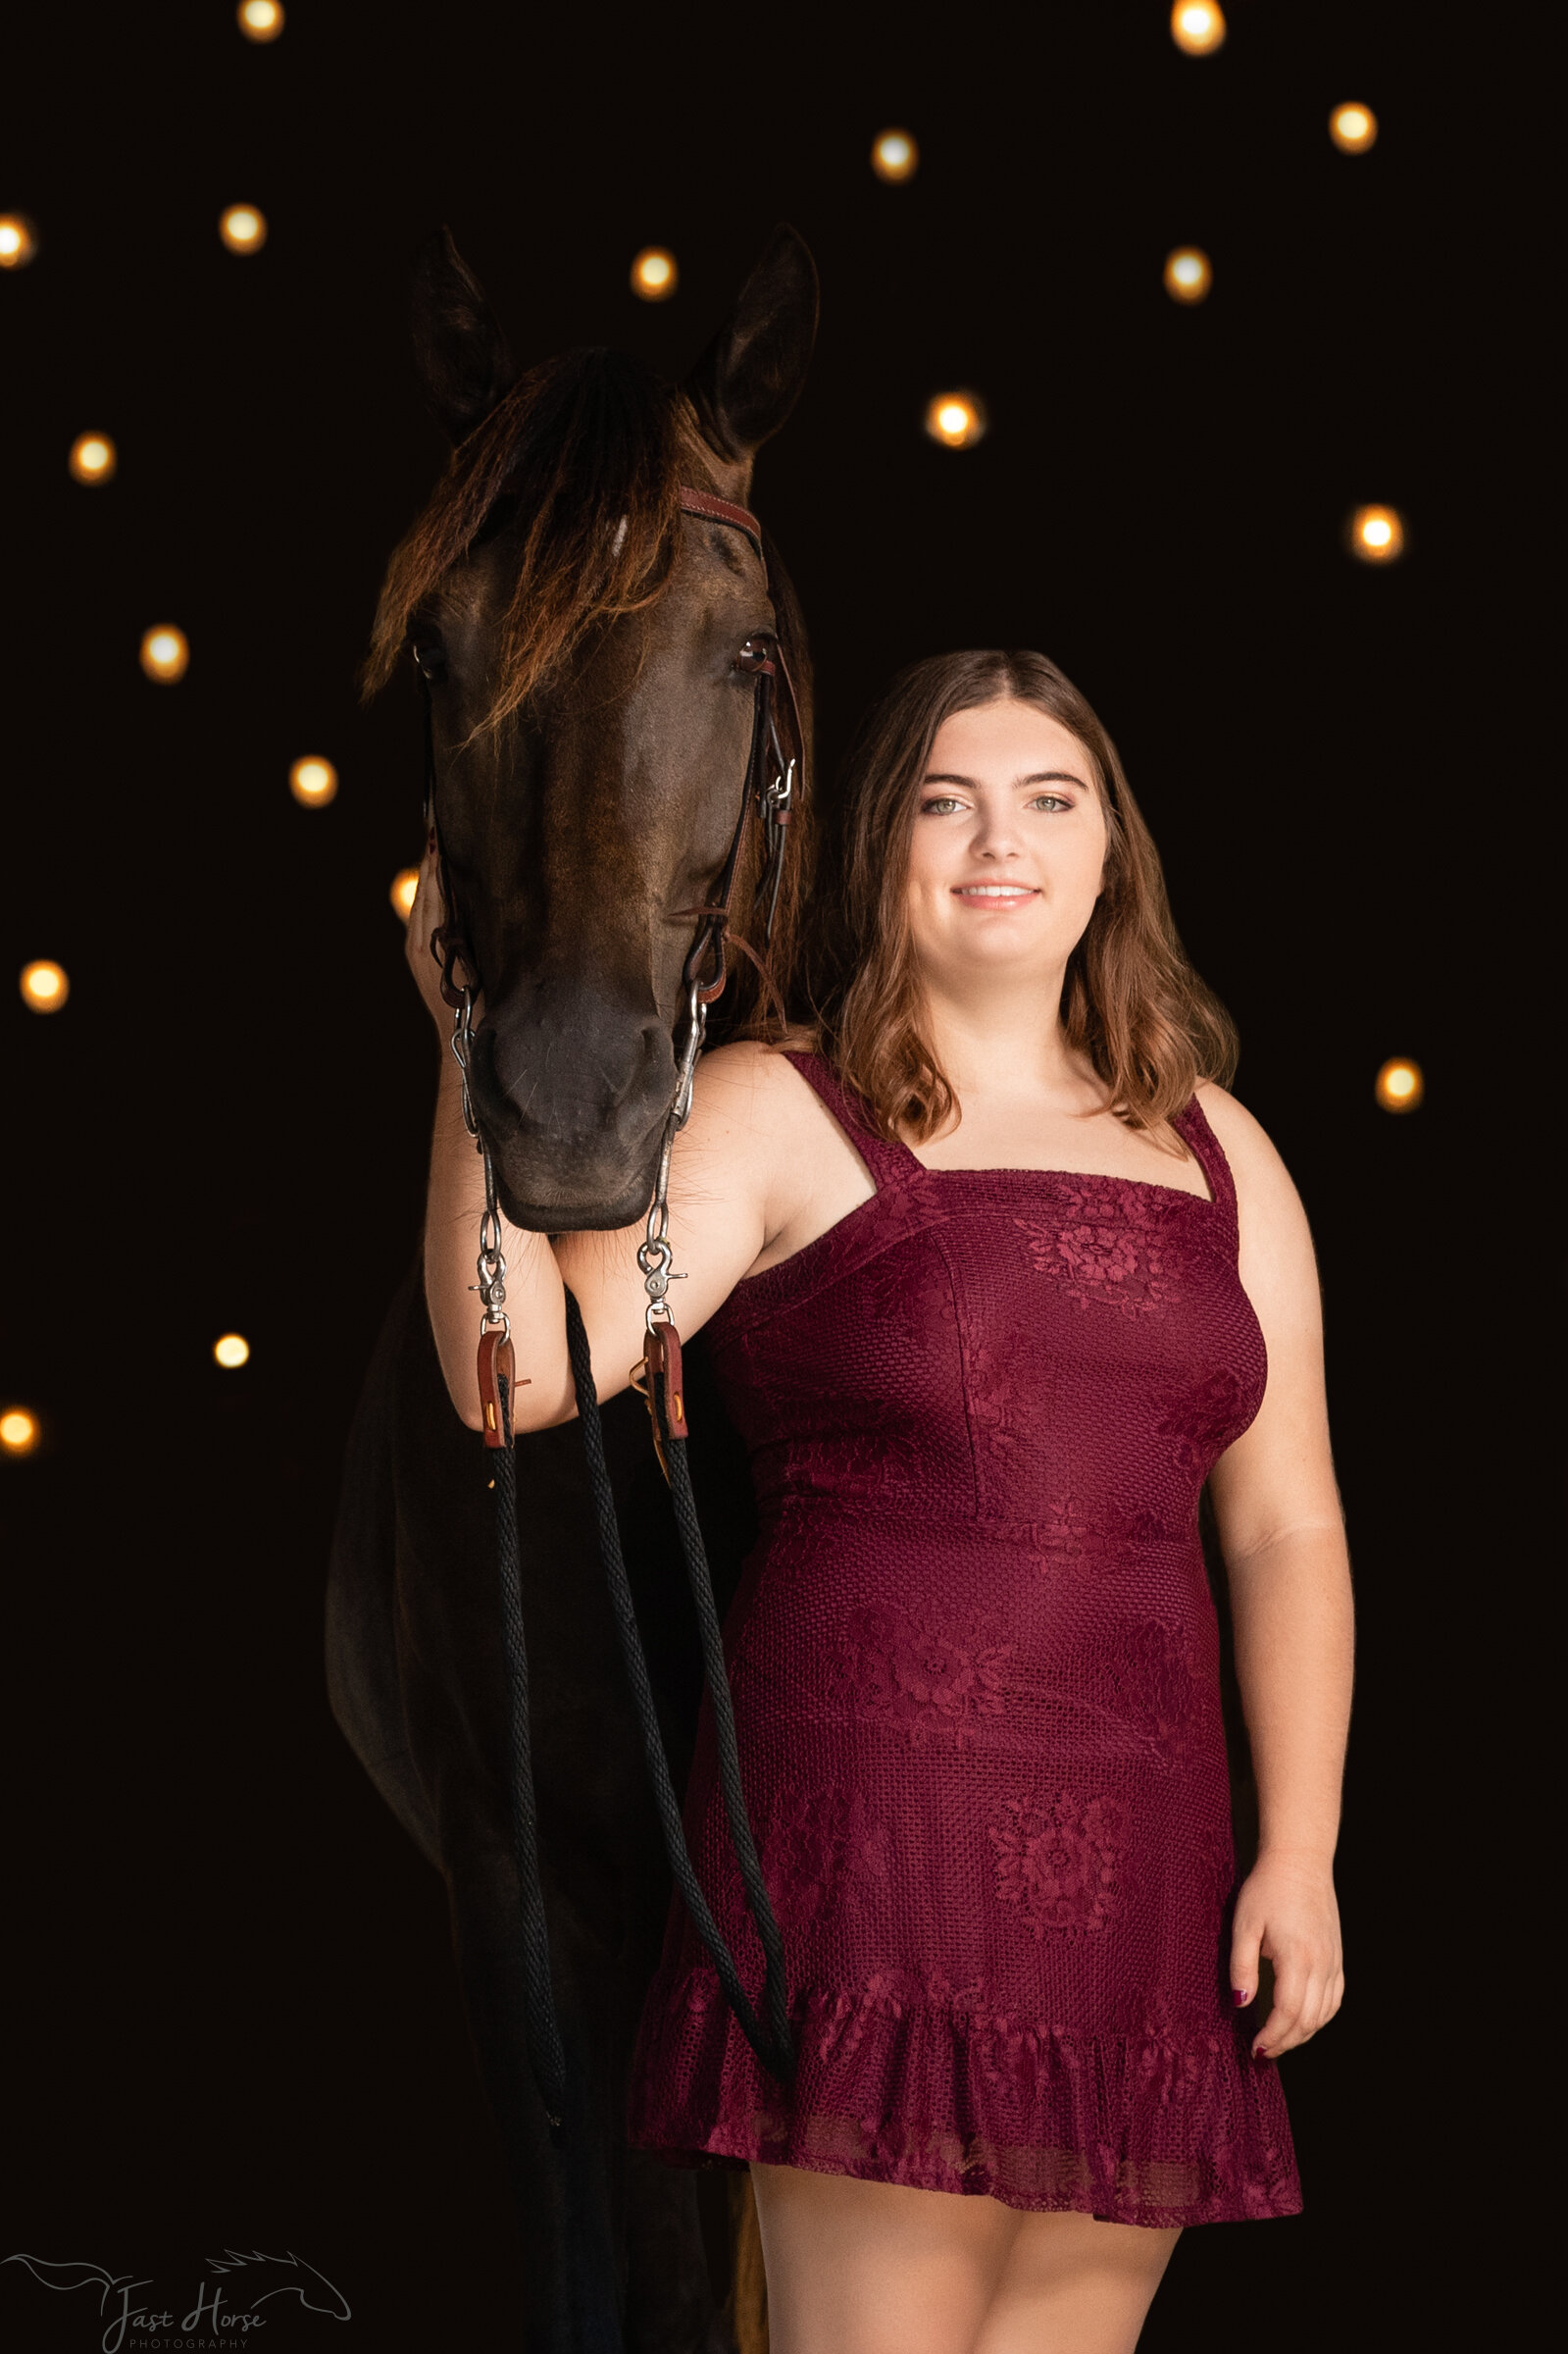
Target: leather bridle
775, 767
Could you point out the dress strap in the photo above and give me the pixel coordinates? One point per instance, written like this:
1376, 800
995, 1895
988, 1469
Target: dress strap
888, 1163
1193, 1127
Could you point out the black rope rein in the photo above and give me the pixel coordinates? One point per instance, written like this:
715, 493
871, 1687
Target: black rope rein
775, 2044
546, 2054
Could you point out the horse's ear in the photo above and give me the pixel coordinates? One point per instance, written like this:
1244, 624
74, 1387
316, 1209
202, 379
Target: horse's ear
459, 348
747, 381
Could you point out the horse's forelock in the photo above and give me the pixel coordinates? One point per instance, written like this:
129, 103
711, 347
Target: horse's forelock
587, 446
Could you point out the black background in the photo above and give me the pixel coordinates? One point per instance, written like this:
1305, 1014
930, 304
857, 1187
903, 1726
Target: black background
232, 2009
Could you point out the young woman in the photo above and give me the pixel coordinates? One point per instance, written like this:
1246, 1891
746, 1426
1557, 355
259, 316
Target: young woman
997, 1275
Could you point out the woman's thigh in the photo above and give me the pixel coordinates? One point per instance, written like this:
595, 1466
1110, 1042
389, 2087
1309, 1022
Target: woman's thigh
1072, 2286
877, 2268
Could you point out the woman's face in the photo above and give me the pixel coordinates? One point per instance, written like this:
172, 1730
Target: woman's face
1009, 849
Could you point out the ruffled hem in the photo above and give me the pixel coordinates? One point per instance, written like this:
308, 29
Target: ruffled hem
908, 2083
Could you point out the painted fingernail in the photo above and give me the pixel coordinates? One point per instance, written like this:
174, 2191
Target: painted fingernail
1241, 1996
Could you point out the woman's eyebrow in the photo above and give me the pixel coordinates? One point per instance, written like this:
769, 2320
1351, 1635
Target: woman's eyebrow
1042, 776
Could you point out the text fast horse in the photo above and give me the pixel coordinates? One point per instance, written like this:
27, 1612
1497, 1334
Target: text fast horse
578, 631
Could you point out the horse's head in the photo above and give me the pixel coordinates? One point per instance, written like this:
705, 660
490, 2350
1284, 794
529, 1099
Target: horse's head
579, 633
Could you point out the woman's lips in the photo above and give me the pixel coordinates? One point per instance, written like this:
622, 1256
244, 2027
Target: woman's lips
994, 895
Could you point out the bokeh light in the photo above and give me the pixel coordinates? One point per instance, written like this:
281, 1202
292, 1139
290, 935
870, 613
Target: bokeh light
1400, 1086
165, 654
1355, 129
894, 155
242, 229
231, 1349
1189, 274
19, 240
18, 1430
1197, 27
654, 275
313, 781
957, 420
45, 985
404, 885
92, 459
259, 20
1377, 535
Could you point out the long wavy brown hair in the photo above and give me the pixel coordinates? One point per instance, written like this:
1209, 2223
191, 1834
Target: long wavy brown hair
1131, 1001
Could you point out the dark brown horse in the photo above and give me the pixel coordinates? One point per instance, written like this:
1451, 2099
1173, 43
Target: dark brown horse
590, 736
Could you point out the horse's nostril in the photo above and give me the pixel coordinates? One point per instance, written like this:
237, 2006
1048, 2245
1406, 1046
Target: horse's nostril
573, 1075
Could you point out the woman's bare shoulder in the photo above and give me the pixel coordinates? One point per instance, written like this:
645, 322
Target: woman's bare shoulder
748, 1086
1265, 1191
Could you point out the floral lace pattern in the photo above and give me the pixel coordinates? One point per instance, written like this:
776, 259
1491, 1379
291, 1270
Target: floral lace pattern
1201, 1423
1081, 1532
1059, 1861
1105, 1244
1149, 1679
817, 1845
929, 1679
974, 1659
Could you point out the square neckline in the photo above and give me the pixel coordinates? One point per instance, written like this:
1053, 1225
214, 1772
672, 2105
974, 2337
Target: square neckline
913, 1165
913, 1169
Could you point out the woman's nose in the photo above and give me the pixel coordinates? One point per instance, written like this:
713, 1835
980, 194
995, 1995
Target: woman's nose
995, 836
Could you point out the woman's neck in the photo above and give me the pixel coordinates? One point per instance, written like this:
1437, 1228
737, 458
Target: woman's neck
1005, 1043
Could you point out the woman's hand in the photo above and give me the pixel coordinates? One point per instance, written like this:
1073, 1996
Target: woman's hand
1287, 1913
428, 911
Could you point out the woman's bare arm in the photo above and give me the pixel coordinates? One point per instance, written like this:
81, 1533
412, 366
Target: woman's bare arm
727, 1172
1283, 1536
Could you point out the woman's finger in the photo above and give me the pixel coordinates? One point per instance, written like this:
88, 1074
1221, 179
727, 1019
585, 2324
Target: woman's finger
1246, 1935
1278, 2030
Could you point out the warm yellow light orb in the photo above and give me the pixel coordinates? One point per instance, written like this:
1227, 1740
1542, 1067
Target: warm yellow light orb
654, 274
242, 229
45, 985
957, 420
260, 20
895, 156
18, 1430
1400, 1086
313, 781
165, 653
1377, 535
1197, 27
1189, 274
19, 240
92, 458
231, 1349
1355, 129
404, 885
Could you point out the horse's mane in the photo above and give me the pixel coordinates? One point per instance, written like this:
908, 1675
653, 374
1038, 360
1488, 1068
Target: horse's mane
581, 445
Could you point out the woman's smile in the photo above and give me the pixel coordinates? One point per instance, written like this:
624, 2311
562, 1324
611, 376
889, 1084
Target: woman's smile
996, 895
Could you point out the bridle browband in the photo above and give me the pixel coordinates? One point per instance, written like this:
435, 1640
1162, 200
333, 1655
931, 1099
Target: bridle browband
772, 795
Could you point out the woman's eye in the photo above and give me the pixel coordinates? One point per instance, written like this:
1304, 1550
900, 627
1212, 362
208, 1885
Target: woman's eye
937, 804
1049, 801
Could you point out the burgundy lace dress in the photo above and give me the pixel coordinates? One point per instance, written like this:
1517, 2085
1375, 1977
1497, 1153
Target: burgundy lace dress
975, 1666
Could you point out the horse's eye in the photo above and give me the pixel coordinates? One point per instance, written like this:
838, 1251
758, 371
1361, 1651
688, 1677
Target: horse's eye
429, 657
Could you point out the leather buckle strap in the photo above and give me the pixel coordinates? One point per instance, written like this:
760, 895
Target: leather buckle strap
713, 509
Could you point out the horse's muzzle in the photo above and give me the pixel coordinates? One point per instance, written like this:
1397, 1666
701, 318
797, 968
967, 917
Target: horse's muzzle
573, 1104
